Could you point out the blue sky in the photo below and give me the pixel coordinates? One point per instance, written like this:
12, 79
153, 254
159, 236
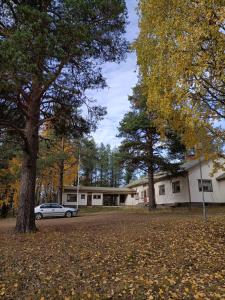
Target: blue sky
120, 79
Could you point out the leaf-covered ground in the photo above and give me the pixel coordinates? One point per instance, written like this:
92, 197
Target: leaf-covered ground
115, 256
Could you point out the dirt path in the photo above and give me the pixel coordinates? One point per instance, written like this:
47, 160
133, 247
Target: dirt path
9, 223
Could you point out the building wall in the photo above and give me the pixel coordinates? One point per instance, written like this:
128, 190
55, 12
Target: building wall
131, 200
138, 197
218, 194
170, 197
141, 191
81, 201
97, 201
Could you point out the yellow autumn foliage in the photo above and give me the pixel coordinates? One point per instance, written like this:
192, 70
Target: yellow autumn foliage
47, 175
60, 150
181, 57
10, 191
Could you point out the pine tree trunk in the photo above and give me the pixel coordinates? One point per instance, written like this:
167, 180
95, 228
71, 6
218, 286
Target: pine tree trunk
26, 219
60, 188
151, 195
61, 175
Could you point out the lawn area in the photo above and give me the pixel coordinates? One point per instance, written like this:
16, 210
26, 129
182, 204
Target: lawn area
124, 254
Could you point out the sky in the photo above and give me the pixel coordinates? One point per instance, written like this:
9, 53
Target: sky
120, 79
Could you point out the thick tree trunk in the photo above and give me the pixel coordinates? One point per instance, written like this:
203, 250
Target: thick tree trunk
61, 175
26, 219
151, 189
151, 193
60, 187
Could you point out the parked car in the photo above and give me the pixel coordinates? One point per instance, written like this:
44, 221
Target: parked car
54, 210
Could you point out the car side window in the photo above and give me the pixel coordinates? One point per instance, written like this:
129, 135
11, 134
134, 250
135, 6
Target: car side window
45, 206
56, 206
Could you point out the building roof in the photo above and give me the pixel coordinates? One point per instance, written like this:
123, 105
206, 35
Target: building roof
144, 180
140, 181
189, 164
163, 175
106, 190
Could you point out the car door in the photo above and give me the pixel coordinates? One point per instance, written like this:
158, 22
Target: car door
45, 210
57, 210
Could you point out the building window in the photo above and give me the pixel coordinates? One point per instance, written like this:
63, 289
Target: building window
176, 187
71, 198
137, 196
142, 195
207, 185
132, 195
162, 190
96, 196
82, 196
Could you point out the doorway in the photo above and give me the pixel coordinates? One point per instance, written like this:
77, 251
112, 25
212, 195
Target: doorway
110, 200
89, 200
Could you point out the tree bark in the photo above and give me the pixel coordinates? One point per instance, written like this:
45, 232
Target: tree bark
151, 193
61, 175
25, 218
151, 189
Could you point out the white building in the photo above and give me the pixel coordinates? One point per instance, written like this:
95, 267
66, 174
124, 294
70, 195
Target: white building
182, 188
185, 186
95, 196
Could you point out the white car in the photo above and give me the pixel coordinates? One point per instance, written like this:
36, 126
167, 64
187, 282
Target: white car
54, 210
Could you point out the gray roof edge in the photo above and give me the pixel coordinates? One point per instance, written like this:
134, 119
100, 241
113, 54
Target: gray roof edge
221, 177
183, 167
97, 188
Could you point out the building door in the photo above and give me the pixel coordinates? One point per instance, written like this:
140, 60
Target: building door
89, 200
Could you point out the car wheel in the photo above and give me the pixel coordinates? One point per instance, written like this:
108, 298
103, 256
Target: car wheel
38, 216
69, 214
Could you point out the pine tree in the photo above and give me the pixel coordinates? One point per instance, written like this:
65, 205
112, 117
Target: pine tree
50, 52
141, 147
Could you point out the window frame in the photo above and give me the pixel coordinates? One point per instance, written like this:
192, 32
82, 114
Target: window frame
94, 196
74, 195
175, 191
160, 189
201, 182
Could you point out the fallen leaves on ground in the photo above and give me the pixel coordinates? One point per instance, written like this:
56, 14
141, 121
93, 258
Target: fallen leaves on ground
116, 256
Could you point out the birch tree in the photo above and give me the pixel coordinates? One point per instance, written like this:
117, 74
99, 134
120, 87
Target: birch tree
181, 57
